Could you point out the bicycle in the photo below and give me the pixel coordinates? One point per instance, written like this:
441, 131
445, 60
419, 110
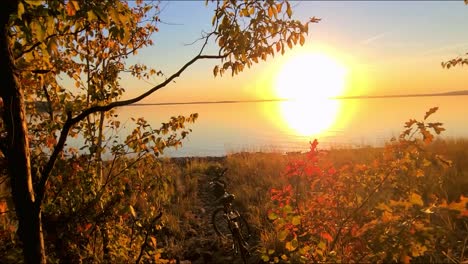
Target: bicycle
227, 222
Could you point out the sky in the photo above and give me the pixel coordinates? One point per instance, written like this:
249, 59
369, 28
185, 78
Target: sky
393, 47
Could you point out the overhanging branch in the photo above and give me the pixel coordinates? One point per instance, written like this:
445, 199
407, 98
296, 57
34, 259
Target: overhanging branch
70, 122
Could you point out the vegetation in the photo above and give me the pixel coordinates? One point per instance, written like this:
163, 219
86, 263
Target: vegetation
58, 204
393, 209
89, 42
415, 211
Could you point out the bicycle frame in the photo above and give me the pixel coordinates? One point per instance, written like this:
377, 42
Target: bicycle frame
232, 217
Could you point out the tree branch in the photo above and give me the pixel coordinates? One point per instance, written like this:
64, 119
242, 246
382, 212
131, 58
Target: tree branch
35, 45
70, 122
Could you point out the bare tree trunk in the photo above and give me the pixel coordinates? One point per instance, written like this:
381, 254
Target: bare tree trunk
16, 146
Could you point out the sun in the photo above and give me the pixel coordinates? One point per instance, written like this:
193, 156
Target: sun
310, 76
309, 82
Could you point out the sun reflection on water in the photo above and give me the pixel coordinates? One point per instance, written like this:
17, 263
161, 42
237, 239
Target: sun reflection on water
309, 118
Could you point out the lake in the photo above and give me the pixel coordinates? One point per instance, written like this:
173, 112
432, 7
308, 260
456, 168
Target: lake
224, 128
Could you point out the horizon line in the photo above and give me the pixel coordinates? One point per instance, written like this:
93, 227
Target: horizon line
455, 93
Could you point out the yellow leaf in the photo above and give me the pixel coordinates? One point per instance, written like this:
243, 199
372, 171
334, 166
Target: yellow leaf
33, 2
270, 12
296, 220
416, 199
20, 9
282, 235
291, 245
383, 207
132, 211
91, 15
418, 250
272, 216
459, 206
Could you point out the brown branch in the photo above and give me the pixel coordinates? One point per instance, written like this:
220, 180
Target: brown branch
49, 103
145, 243
112, 105
50, 164
35, 45
70, 122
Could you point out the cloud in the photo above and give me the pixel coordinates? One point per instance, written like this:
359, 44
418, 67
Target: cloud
374, 38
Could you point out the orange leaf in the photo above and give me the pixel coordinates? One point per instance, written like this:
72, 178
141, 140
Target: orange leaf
70, 8
326, 236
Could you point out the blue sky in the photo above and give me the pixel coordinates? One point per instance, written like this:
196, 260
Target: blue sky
389, 48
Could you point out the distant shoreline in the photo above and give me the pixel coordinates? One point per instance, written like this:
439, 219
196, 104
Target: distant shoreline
455, 93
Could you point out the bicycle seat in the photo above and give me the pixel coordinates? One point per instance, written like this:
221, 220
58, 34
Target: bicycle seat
227, 198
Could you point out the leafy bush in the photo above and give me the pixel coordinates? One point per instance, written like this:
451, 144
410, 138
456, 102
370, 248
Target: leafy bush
393, 209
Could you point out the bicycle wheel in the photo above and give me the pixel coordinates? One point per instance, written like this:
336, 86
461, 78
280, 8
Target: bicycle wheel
220, 223
244, 228
242, 247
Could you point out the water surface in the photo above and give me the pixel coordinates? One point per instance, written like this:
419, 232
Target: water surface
264, 126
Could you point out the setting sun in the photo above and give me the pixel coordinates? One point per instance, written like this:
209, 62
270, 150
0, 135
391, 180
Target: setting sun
310, 76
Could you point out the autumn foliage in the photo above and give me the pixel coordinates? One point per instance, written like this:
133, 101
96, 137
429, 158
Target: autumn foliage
393, 209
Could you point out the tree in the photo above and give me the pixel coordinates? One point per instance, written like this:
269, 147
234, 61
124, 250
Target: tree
88, 41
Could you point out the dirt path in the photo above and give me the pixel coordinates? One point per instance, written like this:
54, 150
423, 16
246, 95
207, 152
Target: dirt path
205, 246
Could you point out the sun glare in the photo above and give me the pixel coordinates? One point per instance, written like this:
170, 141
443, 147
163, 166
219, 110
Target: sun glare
309, 81
309, 76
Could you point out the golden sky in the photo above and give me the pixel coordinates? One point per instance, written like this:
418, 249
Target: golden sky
386, 47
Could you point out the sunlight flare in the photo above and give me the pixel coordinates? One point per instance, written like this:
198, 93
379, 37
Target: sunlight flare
309, 81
